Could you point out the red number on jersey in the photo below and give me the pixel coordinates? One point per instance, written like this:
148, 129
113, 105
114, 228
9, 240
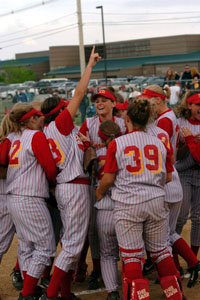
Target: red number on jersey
14, 161
164, 139
151, 152
101, 163
137, 158
58, 155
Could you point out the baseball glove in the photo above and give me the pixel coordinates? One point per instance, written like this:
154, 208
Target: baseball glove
90, 161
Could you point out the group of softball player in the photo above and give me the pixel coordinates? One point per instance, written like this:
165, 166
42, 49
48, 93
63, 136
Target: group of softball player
136, 207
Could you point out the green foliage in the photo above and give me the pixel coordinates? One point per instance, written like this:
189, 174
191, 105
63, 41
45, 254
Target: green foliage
14, 74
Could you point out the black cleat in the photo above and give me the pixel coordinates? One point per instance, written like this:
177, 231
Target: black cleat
148, 267
113, 296
17, 280
194, 273
94, 280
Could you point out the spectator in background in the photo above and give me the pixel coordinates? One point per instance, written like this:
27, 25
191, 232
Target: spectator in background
195, 84
22, 97
194, 73
175, 94
186, 77
171, 78
83, 107
122, 91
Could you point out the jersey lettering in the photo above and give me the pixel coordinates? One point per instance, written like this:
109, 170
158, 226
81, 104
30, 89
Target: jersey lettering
164, 139
58, 155
14, 161
151, 152
101, 163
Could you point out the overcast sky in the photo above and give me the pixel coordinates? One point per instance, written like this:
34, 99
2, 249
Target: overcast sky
36, 27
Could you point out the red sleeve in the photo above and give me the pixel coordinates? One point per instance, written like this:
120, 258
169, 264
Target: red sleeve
111, 162
83, 128
4, 151
167, 125
194, 147
43, 155
169, 164
64, 122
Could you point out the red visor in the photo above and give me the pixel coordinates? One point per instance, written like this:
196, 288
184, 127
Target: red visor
106, 94
150, 94
105, 137
61, 104
122, 106
194, 99
31, 113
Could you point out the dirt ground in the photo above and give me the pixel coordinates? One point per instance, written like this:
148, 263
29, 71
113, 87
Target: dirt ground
8, 292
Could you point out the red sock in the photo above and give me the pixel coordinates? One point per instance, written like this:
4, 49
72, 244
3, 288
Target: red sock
133, 270
29, 285
166, 267
55, 283
96, 265
17, 268
47, 270
182, 248
24, 274
195, 249
66, 285
176, 259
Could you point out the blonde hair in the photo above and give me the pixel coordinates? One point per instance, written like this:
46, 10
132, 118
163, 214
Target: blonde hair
36, 104
7, 126
18, 110
194, 71
182, 110
165, 91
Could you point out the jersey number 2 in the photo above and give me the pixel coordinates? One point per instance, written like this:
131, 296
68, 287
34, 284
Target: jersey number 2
14, 161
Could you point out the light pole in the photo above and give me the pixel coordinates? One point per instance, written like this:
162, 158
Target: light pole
104, 44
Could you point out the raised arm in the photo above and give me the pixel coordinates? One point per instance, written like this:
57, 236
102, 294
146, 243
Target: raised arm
83, 84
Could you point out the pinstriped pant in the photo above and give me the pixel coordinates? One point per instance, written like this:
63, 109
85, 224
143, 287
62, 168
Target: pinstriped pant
7, 227
34, 232
109, 249
190, 206
74, 204
140, 225
174, 209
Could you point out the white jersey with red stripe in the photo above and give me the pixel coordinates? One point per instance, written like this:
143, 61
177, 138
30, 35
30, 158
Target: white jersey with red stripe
173, 189
25, 176
141, 174
93, 128
188, 161
175, 135
67, 151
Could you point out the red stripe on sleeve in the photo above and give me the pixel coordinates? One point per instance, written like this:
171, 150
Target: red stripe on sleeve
111, 162
4, 151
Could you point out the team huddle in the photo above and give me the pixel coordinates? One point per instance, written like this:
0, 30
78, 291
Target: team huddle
132, 203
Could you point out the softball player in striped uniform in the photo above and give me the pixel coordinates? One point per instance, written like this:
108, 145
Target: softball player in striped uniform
135, 163
30, 165
167, 120
72, 189
104, 103
109, 250
190, 174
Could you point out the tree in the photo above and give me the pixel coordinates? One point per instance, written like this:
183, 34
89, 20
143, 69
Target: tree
17, 74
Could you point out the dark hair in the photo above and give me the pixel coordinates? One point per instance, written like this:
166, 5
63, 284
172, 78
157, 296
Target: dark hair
49, 104
139, 111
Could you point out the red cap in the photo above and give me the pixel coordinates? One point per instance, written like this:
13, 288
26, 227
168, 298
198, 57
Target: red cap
194, 99
122, 106
151, 94
31, 113
104, 93
61, 104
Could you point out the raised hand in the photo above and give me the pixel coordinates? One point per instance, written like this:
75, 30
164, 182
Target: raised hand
94, 57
